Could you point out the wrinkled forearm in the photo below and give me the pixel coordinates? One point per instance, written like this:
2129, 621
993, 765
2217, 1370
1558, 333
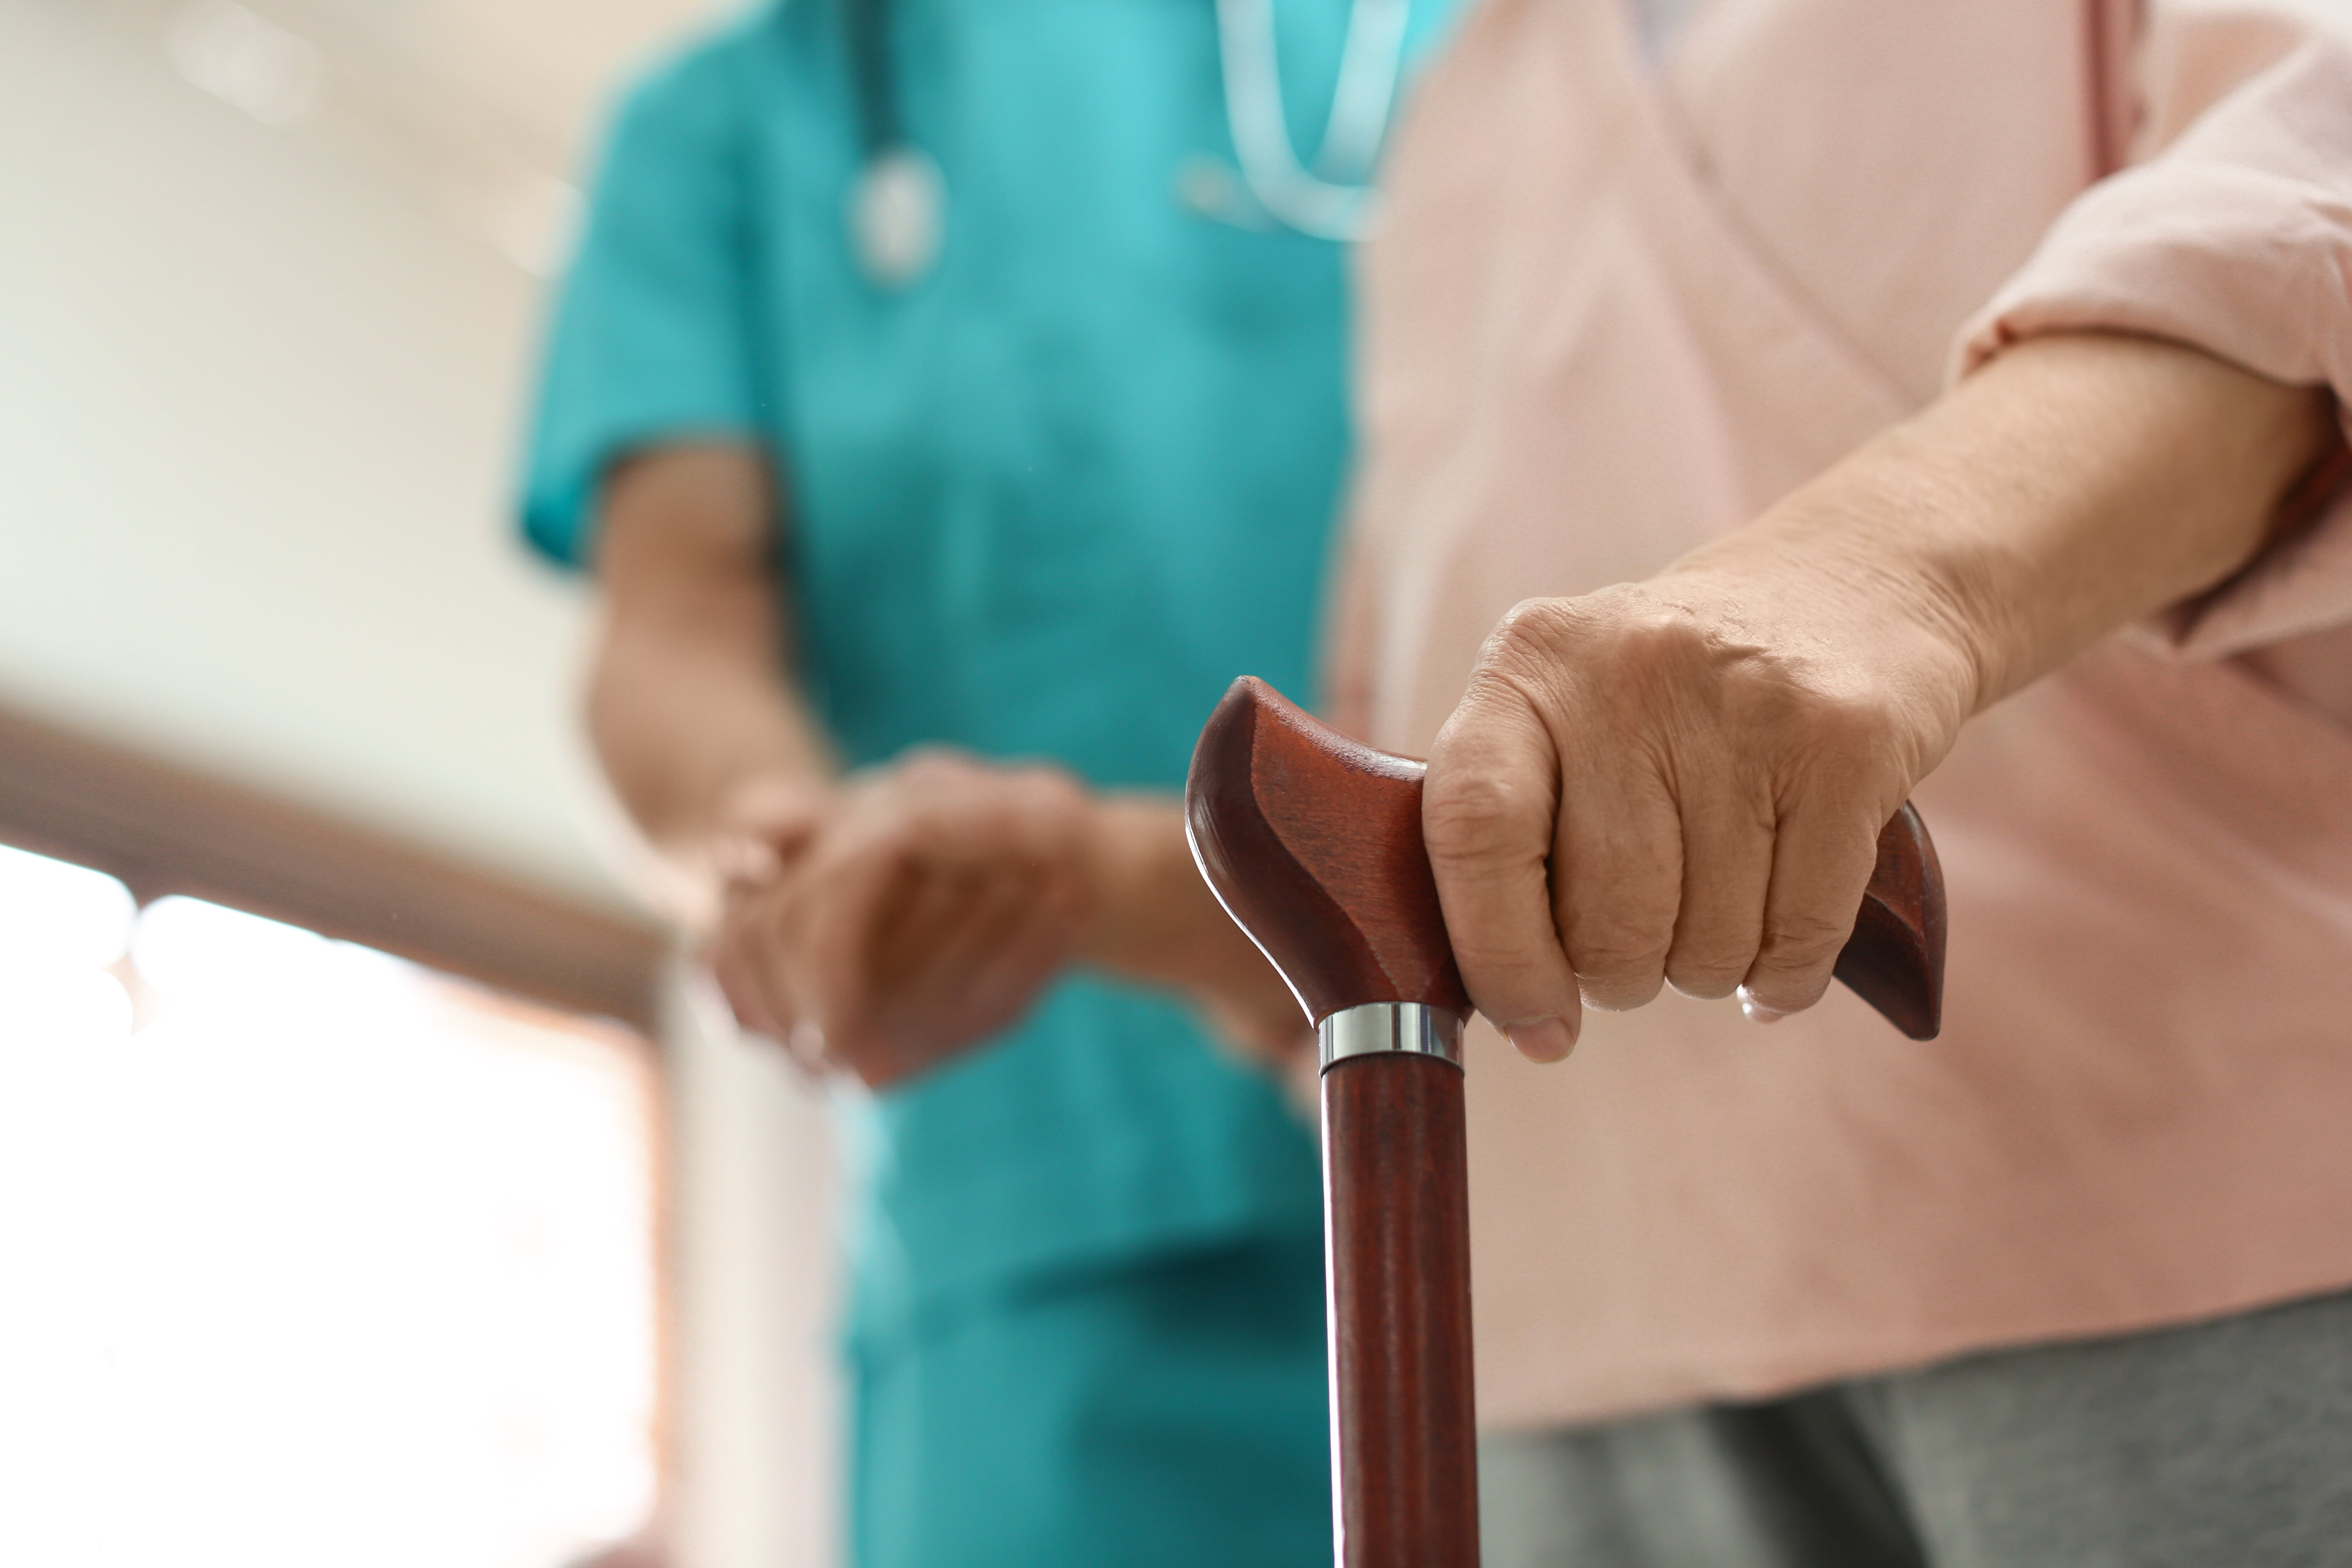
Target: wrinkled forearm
2076, 484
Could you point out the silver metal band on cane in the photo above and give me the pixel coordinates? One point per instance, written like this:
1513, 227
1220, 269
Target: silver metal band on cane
1408, 1026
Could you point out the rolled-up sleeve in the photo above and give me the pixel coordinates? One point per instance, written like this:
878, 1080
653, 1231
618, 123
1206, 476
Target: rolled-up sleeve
2234, 235
654, 334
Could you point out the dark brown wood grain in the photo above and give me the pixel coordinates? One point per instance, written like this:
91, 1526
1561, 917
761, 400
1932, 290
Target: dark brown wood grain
1313, 844
1894, 959
1397, 1232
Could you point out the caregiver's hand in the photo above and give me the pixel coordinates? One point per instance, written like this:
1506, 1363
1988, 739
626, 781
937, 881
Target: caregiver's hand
882, 924
1683, 779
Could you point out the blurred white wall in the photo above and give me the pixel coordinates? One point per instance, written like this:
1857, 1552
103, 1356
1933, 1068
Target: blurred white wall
260, 385
760, 1441
267, 310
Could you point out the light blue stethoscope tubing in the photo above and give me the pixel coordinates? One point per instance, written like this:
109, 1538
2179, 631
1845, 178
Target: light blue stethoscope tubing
1333, 199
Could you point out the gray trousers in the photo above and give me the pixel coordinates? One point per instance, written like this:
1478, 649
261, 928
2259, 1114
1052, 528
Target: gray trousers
2228, 1444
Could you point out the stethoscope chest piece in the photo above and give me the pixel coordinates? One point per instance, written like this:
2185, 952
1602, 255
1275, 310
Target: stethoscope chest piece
898, 211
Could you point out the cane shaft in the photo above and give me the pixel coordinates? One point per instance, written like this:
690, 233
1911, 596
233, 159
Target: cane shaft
1397, 1215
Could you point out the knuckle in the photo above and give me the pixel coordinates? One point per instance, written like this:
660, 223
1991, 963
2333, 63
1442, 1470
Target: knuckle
1613, 953
1534, 628
1535, 645
1801, 940
1651, 637
1516, 961
1630, 656
1713, 955
1475, 815
1709, 969
1629, 930
1621, 628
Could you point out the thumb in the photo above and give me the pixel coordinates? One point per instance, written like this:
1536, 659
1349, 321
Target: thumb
1489, 808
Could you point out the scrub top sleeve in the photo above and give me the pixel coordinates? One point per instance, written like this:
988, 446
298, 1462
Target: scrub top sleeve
2235, 238
653, 335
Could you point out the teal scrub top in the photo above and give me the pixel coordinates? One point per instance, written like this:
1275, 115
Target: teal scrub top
1046, 502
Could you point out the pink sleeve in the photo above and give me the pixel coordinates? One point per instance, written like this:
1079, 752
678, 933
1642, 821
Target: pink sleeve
2236, 238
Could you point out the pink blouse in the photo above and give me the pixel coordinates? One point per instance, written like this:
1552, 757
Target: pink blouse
1618, 311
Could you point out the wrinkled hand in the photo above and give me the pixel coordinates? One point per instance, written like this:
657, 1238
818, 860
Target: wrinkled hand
1682, 781
882, 925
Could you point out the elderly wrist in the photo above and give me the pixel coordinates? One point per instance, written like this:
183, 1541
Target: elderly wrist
1891, 553
1946, 565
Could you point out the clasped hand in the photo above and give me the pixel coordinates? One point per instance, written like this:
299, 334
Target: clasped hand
1676, 782
878, 924
1682, 782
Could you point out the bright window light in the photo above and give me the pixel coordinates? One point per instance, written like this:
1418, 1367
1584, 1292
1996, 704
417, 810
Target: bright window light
59, 916
70, 1011
334, 1264
194, 951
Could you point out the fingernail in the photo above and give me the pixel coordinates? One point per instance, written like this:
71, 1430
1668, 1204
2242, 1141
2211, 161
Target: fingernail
1542, 1040
1756, 1011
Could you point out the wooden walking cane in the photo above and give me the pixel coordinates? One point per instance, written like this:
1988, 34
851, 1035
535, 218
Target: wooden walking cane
1313, 845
